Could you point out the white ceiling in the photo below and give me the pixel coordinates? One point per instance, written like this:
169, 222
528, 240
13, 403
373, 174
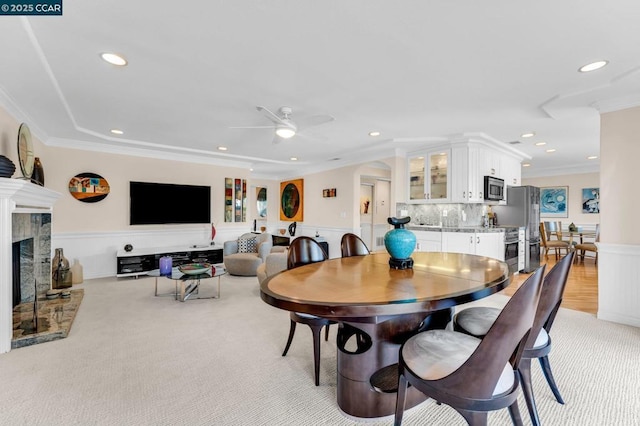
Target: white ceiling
417, 71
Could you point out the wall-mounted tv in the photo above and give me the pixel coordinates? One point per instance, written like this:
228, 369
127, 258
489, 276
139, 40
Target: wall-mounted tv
163, 203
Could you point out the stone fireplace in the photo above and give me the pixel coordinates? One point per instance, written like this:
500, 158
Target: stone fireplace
31, 235
25, 218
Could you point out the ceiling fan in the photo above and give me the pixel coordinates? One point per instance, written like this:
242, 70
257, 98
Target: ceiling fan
285, 127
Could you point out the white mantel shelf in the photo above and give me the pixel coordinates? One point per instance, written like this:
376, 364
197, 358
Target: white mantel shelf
16, 196
25, 194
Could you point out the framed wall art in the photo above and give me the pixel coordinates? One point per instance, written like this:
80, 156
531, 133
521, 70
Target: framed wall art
329, 192
235, 200
590, 200
554, 201
292, 200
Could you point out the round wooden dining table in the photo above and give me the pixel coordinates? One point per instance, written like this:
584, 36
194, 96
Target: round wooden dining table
378, 308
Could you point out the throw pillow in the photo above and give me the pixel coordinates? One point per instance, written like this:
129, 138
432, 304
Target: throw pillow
247, 245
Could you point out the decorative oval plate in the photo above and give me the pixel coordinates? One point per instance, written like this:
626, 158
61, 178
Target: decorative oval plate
195, 268
88, 187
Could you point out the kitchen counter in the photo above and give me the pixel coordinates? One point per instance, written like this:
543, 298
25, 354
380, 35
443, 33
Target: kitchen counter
475, 229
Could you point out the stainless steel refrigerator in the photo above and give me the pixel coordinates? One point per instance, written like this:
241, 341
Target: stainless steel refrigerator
523, 210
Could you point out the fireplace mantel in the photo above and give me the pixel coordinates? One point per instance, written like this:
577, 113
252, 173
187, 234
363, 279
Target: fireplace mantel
16, 196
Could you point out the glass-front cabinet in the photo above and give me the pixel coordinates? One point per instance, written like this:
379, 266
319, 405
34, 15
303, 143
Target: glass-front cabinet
429, 176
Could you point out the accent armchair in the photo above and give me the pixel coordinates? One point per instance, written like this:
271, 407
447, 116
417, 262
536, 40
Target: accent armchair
244, 255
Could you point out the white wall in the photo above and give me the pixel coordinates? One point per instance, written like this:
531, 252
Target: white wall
576, 183
619, 250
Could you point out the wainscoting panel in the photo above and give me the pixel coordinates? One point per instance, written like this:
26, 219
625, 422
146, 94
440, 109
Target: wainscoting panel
333, 236
619, 283
96, 251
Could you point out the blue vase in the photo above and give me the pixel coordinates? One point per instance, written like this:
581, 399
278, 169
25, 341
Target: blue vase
400, 243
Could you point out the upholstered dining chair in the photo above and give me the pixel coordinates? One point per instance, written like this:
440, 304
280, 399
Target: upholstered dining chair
548, 244
589, 246
471, 375
303, 251
352, 245
476, 321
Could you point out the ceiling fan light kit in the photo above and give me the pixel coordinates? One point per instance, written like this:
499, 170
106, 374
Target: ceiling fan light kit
285, 132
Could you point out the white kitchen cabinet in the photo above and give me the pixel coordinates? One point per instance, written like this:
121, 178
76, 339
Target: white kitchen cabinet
458, 242
511, 170
489, 244
428, 240
429, 176
455, 172
466, 181
489, 163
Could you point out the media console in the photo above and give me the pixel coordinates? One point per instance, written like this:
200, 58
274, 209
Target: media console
140, 261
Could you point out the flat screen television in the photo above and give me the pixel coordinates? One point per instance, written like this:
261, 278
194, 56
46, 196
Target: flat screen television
164, 203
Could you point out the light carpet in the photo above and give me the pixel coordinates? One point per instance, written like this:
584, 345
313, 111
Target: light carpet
135, 359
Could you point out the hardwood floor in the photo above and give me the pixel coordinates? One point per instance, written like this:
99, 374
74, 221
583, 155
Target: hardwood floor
581, 293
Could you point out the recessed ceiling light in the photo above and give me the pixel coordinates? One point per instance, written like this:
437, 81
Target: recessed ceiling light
294, 158
114, 59
593, 66
117, 132
528, 135
374, 133
540, 143
592, 157
526, 165
551, 150
250, 170
222, 148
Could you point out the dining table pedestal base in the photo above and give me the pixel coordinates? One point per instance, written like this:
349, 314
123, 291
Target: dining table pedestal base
364, 349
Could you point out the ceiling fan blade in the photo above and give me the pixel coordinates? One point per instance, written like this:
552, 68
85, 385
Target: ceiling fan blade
270, 115
312, 136
251, 127
314, 120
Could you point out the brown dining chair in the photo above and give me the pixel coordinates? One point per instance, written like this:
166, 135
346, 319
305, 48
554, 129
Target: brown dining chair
471, 375
352, 245
547, 244
589, 246
476, 321
304, 251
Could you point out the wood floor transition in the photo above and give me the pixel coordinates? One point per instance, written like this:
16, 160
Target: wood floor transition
581, 293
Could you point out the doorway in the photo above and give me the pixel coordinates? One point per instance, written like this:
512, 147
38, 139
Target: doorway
375, 195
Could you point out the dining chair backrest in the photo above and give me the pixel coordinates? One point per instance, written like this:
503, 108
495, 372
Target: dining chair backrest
352, 245
553, 228
504, 342
543, 234
303, 251
597, 240
551, 296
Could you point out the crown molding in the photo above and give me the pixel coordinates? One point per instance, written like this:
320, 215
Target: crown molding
170, 153
528, 172
611, 105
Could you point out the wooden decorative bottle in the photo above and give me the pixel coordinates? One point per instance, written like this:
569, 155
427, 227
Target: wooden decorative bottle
60, 272
38, 172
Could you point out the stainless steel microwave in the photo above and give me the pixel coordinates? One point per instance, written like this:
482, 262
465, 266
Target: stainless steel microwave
493, 188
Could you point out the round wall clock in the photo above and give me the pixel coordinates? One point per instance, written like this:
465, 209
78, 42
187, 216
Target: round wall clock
25, 150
